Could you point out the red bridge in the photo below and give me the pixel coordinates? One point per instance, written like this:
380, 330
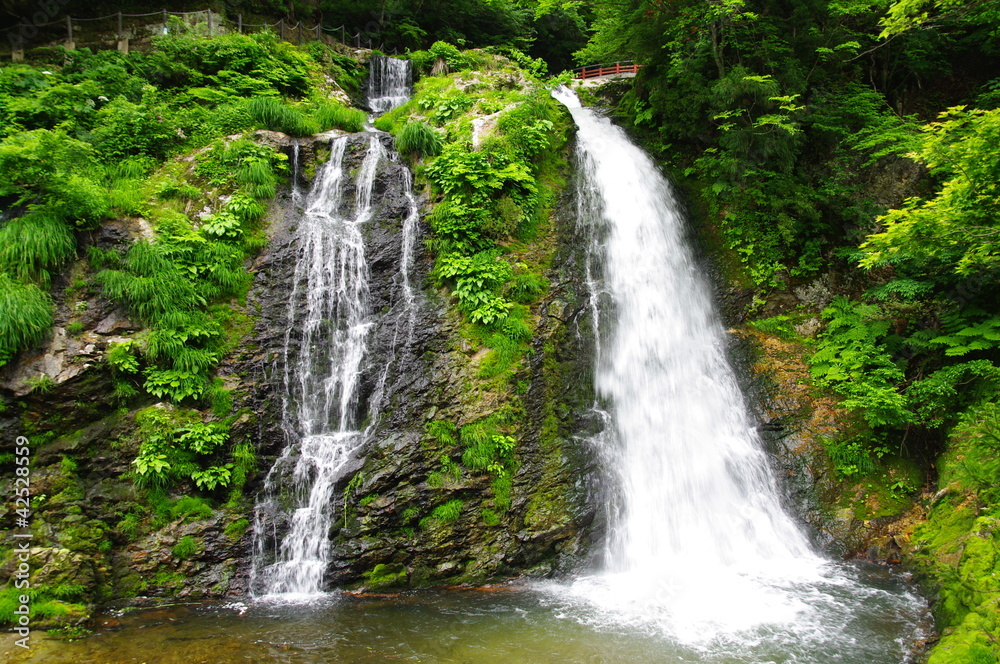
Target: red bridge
594, 71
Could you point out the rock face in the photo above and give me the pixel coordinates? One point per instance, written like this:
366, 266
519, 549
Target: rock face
86, 547
382, 536
854, 518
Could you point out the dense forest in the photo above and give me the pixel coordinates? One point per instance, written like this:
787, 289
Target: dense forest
840, 159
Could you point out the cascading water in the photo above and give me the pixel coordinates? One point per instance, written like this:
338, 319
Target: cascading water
699, 544
326, 343
329, 308
389, 81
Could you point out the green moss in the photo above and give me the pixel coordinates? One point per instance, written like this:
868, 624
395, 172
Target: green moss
235, 530
171, 582
386, 576
191, 508
186, 547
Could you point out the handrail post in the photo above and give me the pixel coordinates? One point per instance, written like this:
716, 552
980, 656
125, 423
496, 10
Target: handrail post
119, 26
300, 32
281, 29
319, 31
209, 22
164, 21
239, 23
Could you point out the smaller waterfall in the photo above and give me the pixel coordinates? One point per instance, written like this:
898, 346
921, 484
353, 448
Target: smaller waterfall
329, 308
330, 325
389, 82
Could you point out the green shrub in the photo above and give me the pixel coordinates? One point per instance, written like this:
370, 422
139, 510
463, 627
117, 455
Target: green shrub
124, 129
417, 140
26, 316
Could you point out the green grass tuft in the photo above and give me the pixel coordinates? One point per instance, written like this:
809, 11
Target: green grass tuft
331, 116
418, 140
26, 315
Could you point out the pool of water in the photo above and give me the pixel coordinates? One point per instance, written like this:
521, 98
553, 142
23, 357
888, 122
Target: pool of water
537, 623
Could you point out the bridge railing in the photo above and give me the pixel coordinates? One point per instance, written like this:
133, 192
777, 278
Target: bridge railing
593, 71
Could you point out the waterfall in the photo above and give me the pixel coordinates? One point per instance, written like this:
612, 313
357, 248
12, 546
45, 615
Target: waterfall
329, 325
699, 543
329, 308
389, 81
326, 345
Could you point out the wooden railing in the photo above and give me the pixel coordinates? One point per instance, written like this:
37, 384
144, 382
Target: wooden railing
593, 71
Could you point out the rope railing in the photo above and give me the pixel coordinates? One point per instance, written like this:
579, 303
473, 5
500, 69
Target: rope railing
126, 27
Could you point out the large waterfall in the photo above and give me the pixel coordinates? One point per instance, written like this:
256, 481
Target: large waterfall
699, 544
330, 325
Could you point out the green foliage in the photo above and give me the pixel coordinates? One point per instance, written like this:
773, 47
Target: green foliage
854, 357
121, 358
954, 231
176, 445
26, 315
186, 547
125, 129
417, 140
780, 326
213, 476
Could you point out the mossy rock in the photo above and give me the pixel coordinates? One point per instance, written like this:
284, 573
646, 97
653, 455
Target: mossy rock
386, 576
